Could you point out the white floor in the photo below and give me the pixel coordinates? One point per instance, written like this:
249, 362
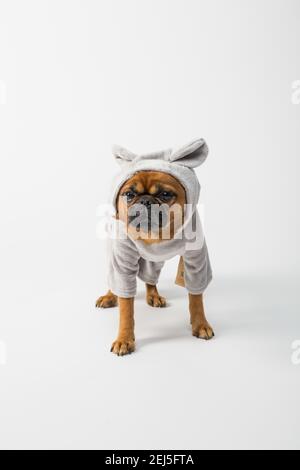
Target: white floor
62, 388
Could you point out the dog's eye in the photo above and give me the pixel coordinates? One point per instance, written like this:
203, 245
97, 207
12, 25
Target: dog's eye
130, 195
166, 195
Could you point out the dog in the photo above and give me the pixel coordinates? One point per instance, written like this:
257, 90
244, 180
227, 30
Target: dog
155, 200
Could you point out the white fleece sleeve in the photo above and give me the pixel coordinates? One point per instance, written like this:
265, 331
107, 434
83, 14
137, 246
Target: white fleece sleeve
123, 268
197, 270
149, 271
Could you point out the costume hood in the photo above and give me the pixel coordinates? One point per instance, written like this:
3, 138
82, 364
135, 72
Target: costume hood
179, 163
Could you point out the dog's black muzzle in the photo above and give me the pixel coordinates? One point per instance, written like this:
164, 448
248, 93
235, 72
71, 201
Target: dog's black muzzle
147, 214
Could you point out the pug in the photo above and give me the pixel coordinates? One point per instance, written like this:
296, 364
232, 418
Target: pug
155, 199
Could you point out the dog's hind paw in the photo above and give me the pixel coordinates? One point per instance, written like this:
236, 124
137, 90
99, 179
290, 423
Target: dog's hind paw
107, 301
156, 300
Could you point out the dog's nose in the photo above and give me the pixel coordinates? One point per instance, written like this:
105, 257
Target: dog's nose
146, 201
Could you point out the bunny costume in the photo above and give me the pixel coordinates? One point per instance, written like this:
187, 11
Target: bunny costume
128, 258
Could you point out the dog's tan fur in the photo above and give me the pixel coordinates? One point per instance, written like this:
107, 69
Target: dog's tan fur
124, 343
147, 182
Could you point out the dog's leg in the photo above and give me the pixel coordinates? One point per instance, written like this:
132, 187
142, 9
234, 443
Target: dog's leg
124, 343
153, 298
200, 326
107, 301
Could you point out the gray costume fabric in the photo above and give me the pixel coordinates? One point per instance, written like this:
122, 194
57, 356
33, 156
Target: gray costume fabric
128, 258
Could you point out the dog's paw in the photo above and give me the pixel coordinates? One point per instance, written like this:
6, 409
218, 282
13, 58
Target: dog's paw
156, 300
203, 331
107, 301
122, 347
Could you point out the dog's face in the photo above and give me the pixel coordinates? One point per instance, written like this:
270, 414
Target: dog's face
151, 203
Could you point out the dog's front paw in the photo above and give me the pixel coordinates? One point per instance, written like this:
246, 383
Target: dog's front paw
122, 347
203, 331
156, 300
107, 301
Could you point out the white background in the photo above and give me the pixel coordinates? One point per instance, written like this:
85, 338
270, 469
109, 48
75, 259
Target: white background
77, 76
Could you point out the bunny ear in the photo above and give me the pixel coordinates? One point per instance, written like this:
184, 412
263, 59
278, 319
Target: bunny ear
191, 155
122, 155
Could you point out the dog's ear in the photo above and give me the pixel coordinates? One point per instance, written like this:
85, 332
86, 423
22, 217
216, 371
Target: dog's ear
122, 155
191, 155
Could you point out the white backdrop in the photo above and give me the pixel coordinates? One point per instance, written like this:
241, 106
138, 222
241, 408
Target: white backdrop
77, 76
